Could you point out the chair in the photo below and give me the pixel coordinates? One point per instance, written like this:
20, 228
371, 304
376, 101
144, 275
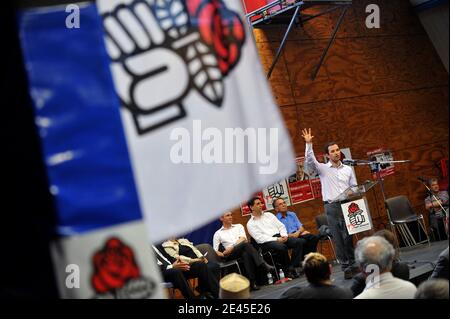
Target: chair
267, 253
212, 256
170, 289
400, 213
322, 226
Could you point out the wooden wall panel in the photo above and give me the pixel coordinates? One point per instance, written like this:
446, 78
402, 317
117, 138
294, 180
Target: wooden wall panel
279, 81
377, 88
396, 18
291, 120
363, 66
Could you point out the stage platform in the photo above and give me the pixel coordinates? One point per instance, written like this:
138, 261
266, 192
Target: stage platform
421, 260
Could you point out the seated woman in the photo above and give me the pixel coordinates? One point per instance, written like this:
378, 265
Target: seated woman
208, 273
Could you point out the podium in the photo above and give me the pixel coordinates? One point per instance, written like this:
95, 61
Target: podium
355, 207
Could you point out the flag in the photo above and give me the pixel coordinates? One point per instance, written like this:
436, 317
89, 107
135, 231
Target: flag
155, 110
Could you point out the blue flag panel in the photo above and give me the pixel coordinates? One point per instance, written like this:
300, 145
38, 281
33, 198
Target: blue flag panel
78, 116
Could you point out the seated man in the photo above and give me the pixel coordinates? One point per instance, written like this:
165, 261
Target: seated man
271, 235
233, 238
433, 204
208, 273
376, 254
399, 269
294, 227
173, 272
318, 272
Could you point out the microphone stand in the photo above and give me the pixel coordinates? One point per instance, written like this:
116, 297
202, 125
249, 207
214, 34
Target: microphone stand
433, 196
438, 200
376, 166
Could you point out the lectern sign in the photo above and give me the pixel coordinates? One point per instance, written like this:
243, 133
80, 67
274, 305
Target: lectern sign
356, 214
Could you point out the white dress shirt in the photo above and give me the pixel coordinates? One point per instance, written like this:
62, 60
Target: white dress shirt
264, 227
228, 237
334, 180
386, 286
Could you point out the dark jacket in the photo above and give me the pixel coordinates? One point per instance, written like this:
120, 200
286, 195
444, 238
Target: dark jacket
317, 291
441, 269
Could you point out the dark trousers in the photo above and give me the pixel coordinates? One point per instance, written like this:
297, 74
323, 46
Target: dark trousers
208, 276
309, 244
176, 277
438, 224
250, 257
342, 240
282, 255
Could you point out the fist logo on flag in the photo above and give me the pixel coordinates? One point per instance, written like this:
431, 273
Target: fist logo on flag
165, 49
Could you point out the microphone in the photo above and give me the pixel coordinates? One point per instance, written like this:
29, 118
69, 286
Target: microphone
420, 178
349, 162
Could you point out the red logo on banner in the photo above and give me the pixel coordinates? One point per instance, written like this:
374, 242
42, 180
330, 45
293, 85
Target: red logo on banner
221, 29
353, 208
114, 266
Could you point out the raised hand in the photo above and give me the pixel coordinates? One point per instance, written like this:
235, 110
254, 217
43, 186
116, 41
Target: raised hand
306, 134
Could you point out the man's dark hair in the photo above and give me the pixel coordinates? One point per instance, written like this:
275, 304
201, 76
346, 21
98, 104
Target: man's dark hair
328, 145
252, 201
275, 200
316, 268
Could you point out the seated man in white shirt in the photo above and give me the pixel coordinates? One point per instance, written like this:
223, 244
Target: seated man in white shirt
233, 239
272, 236
376, 254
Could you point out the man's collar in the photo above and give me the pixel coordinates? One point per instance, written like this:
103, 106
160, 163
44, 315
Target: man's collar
377, 279
281, 214
331, 164
223, 228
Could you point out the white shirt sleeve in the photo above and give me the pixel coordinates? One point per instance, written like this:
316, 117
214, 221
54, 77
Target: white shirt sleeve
281, 228
258, 235
352, 178
310, 159
216, 241
242, 231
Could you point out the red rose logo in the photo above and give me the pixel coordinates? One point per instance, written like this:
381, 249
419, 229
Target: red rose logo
220, 28
353, 208
114, 266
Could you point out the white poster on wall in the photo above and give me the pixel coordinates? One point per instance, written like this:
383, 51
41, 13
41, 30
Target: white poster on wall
277, 190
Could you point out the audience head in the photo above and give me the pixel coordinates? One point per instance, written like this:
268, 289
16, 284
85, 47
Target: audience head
375, 250
432, 289
227, 218
280, 205
389, 236
255, 205
317, 268
434, 184
234, 286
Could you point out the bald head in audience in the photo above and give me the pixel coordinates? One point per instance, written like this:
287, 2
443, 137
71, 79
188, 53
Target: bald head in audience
375, 250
